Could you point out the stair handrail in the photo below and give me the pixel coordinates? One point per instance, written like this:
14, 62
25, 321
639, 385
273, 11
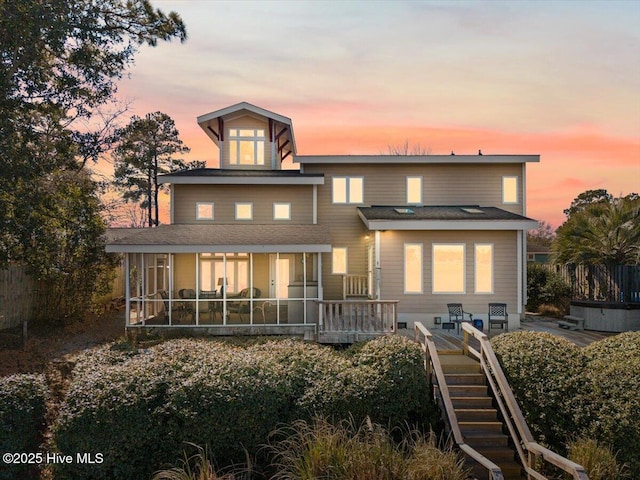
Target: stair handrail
433, 368
523, 439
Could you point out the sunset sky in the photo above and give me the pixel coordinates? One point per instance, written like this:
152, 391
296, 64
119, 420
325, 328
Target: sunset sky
559, 79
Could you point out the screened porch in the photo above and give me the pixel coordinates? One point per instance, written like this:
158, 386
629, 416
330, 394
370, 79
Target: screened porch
222, 289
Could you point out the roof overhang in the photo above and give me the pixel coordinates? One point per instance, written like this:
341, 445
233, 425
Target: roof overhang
242, 180
444, 218
221, 238
212, 123
415, 159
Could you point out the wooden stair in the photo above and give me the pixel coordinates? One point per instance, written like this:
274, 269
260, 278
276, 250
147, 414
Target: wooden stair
477, 417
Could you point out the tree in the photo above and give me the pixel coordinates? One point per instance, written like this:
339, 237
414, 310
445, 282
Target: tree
407, 149
588, 198
59, 63
605, 231
542, 236
147, 148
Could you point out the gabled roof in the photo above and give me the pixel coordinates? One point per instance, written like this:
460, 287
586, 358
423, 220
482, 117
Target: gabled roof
221, 238
209, 121
219, 176
442, 217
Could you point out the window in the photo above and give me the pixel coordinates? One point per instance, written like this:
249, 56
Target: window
348, 189
204, 211
282, 211
448, 268
414, 190
244, 211
246, 146
509, 189
412, 268
484, 268
212, 271
339, 261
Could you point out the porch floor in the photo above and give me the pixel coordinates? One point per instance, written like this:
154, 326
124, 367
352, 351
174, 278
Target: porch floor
450, 341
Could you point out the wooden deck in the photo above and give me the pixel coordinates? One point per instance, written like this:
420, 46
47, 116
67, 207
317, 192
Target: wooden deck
450, 341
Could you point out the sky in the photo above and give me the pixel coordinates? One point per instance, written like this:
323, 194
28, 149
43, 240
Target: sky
556, 78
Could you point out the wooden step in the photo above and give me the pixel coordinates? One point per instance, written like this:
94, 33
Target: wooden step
485, 438
459, 364
477, 414
472, 402
497, 454
470, 426
510, 470
467, 390
464, 378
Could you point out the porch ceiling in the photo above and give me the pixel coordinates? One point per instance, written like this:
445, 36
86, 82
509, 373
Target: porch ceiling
220, 238
448, 217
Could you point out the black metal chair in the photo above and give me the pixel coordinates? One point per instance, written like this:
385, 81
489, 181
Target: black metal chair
187, 308
243, 305
169, 306
456, 314
498, 316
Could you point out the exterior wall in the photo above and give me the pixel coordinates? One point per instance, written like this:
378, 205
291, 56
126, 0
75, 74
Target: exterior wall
224, 197
442, 184
427, 305
386, 185
246, 121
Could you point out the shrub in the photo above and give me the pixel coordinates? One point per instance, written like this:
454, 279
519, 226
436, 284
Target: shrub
138, 408
598, 460
546, 375
546, 287
612, 372
22, 419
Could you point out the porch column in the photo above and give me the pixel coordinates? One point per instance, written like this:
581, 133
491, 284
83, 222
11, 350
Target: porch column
377, 262
127, 286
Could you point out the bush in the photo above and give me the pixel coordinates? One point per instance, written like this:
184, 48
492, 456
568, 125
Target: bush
613, 373
22, 419
546, 375
138, 408
598, 460
546, 287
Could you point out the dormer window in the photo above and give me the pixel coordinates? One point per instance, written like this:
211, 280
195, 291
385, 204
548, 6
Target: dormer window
246, 146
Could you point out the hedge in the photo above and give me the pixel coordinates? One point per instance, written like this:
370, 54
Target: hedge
567, 392
22, 419
138, 409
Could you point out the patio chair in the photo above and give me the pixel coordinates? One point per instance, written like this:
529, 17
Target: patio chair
187, 308
175, 307
498, 316
456, 314
243, 305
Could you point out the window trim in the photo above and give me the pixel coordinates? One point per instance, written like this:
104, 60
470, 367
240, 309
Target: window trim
348, 189
281, 219
213, 212
413, 177
517, 193
346, 261
256, 139
475, 268
433, 269
404, 269
250, 204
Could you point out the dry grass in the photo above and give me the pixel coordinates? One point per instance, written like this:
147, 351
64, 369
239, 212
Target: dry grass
598, 460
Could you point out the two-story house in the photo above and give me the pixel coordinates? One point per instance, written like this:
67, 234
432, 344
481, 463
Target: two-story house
347, 244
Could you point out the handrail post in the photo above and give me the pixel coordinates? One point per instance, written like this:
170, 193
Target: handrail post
465, 342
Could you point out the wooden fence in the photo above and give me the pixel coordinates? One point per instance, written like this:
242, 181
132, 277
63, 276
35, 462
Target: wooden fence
616, 283
17, 294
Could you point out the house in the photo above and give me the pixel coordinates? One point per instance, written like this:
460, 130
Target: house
342, 248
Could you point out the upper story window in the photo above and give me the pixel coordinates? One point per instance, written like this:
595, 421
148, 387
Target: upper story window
246, 146
509, 189
348, 189
282, 211
204, 210
414, 190
244, 211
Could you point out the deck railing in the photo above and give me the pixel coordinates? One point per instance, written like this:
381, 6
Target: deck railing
355, 286
435, 376
528, 450
358, 316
